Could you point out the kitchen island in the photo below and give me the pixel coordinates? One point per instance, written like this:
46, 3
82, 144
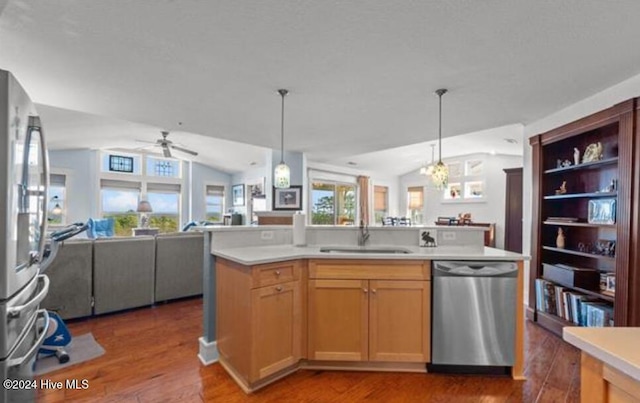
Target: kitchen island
279, 308
609, 364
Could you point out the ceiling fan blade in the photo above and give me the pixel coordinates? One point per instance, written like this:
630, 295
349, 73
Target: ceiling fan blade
184, 150
166, 151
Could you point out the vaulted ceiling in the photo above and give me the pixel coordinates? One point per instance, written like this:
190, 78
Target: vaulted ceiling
361, 73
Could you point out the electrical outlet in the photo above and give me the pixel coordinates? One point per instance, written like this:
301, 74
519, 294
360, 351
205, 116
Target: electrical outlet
266, 235
448, 236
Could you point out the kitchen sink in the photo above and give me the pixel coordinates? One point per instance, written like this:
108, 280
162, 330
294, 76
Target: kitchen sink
356, 249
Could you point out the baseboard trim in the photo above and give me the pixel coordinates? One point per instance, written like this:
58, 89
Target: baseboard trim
208, 353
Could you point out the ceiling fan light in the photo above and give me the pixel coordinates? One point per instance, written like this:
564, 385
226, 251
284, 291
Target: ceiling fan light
282, 176
166, 152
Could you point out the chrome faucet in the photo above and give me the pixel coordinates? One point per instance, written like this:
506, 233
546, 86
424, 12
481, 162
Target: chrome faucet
363, 235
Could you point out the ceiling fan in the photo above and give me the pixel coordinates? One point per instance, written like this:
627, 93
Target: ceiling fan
167, 145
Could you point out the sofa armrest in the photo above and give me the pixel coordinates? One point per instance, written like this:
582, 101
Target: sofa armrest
179, 260
123, 273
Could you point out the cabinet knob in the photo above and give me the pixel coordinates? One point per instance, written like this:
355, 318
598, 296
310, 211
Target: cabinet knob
279, 288
365, 290
373, 290
278, 272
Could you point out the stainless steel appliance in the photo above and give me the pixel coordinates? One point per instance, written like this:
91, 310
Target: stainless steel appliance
474, 313
24, 179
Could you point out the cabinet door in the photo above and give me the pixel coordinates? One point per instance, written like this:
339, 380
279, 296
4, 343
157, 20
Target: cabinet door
400, 321
276, 331
338, 320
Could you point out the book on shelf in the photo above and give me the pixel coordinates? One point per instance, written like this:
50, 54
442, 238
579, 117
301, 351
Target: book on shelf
572, 306
597, 314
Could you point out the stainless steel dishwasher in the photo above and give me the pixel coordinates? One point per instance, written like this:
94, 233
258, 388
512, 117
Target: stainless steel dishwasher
474, 313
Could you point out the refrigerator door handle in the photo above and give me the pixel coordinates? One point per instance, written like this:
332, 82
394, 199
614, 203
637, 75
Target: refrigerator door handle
34, 124
15, 362
15, 311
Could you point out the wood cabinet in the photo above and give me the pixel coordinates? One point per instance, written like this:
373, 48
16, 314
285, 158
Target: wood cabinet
369, 311
603, 384
567, 194
259, 321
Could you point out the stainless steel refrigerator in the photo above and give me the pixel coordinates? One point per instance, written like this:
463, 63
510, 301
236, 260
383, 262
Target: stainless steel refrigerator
24, 179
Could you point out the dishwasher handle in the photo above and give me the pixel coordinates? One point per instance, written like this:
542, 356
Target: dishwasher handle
475, 269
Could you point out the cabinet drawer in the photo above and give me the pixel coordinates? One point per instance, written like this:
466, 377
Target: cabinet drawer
275, 273
370, 269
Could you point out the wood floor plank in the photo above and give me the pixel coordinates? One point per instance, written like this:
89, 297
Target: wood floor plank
151, 356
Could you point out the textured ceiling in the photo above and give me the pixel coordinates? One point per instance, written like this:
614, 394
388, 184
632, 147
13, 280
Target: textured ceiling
361, 74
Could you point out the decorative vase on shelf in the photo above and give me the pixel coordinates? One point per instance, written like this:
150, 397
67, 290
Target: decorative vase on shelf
576, 156
560, 239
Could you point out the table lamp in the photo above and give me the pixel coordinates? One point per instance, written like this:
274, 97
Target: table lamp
144, 207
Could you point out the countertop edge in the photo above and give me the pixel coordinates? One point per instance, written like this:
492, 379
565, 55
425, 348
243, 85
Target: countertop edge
602, 354
291, 252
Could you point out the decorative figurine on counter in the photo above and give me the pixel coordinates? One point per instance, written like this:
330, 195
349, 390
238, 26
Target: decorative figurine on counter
565, 163
576, 156
560, 238
563, 188
593, 152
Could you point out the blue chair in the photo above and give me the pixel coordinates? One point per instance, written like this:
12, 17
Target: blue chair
101, 228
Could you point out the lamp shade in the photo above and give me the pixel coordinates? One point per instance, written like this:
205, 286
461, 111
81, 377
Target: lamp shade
144, 207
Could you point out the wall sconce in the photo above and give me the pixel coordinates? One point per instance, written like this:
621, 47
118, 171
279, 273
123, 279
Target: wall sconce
57, 209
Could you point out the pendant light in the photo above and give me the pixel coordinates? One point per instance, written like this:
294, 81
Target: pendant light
282, 173
440, 174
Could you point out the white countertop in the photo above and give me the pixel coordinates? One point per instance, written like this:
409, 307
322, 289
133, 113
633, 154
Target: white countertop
615, 346
250, 255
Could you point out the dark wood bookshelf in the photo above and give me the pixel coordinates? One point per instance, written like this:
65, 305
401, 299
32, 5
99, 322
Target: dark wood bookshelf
617, 130
580, 195
585, 165
578, 253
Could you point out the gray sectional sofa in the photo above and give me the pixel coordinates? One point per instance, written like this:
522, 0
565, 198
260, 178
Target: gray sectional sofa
92, 277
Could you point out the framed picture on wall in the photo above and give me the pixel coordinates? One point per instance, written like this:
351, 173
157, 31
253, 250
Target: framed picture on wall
287, 198
237, 195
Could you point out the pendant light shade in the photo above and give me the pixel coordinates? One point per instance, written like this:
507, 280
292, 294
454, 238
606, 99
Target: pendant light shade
440, 174
282, 173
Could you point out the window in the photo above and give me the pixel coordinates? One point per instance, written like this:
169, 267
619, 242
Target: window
380, 202
333, 203
214, 196
415, 203
164, 167
165, 202
121, 163
57, 191
151, 178
120, 200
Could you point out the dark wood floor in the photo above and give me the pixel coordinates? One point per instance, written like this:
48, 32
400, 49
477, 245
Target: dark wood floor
151, 356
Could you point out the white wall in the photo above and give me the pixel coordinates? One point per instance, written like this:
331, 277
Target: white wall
618, 93
490, 210
80, 168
